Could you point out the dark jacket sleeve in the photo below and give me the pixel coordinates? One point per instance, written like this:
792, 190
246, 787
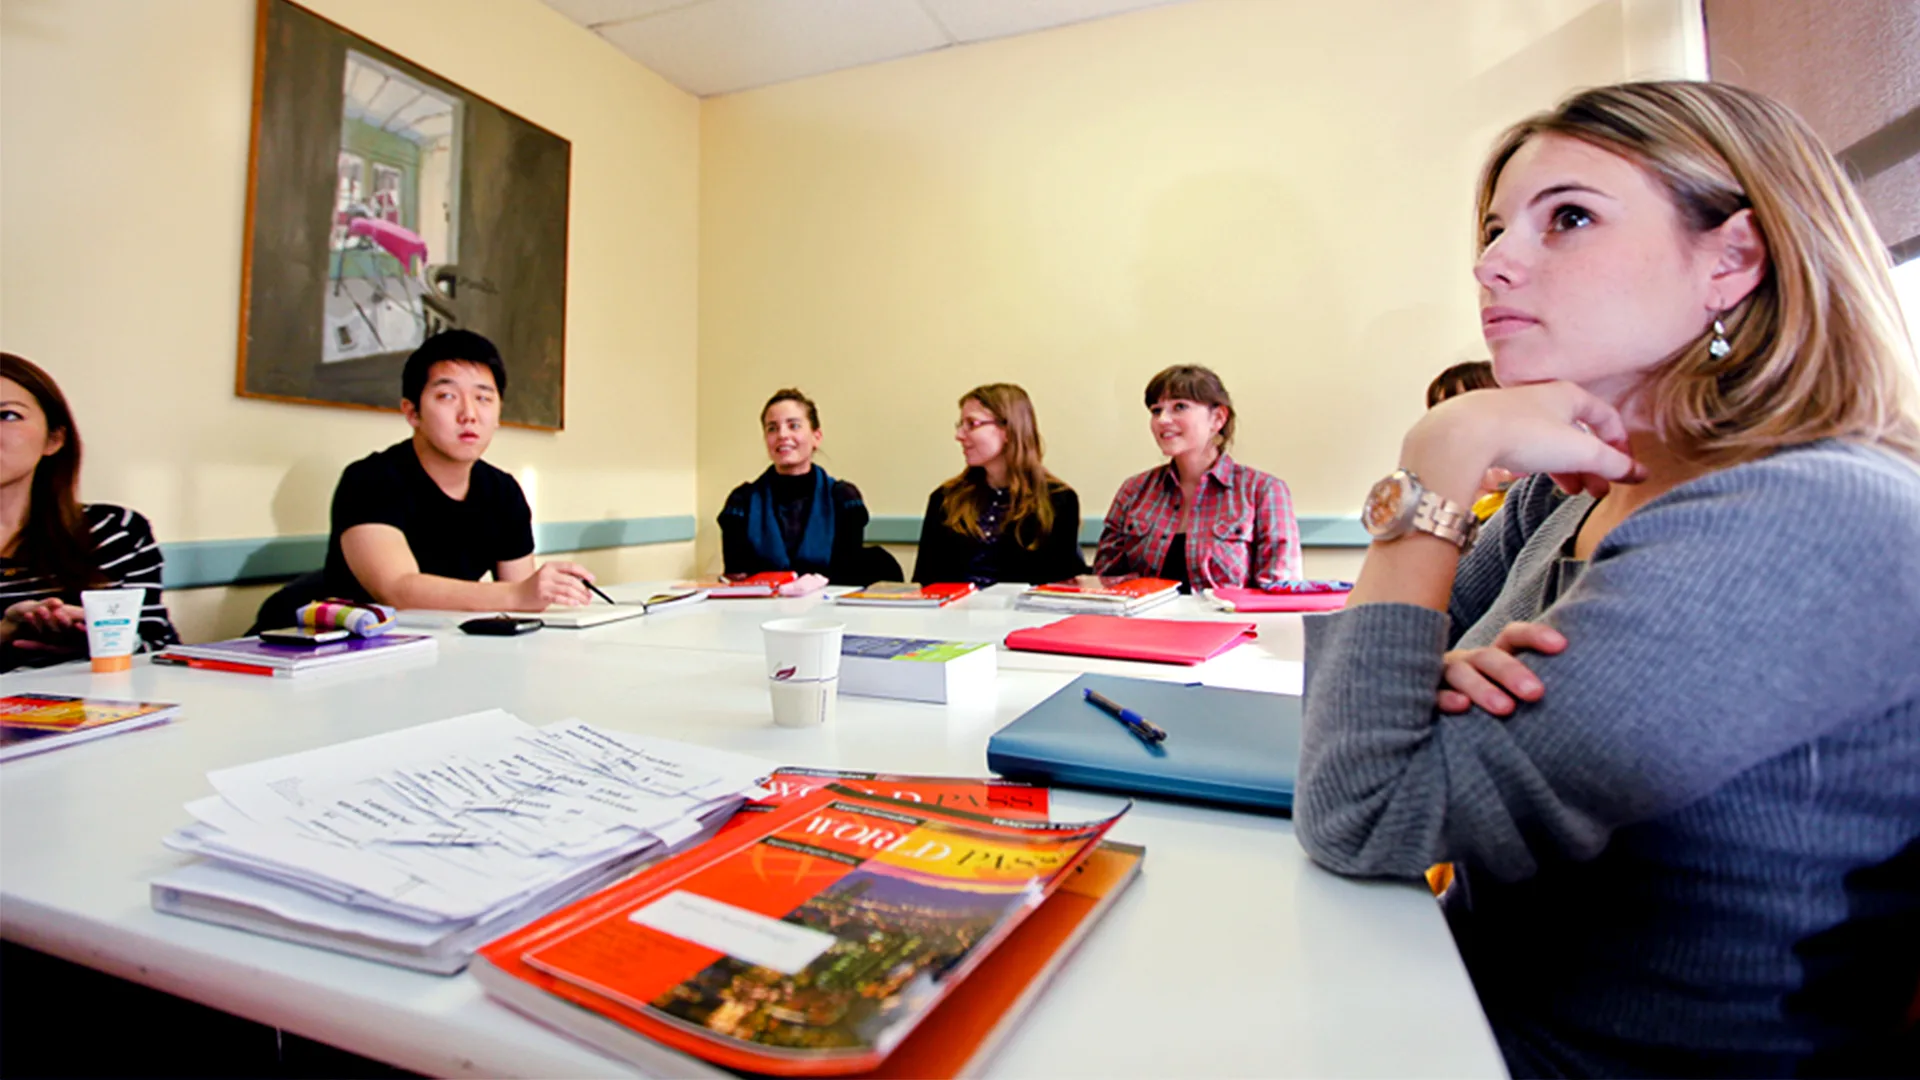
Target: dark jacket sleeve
938, 558
849, 563
736, 551
1059, 556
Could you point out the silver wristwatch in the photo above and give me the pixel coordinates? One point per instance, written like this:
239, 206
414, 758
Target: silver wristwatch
1400, 504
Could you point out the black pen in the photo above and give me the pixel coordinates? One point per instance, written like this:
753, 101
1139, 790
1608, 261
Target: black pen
597, 592
1148, 733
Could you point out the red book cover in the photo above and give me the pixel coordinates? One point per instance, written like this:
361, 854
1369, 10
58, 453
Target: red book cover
764, 583
956, 1038
985, 795
1124, 587
810, 945
1167, 641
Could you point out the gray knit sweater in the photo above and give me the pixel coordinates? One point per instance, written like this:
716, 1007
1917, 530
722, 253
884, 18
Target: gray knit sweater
1699, 853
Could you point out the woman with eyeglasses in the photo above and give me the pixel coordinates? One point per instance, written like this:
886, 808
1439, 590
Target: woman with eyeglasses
1005, 517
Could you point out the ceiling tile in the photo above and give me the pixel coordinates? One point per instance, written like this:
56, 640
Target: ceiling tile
978, 20
719, 46
595, 12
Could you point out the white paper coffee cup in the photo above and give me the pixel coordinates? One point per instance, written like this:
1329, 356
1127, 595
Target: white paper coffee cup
803, 669
803, 649
804, 703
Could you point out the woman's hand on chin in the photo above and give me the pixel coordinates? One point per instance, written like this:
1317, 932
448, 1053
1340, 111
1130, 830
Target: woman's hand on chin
1555, 428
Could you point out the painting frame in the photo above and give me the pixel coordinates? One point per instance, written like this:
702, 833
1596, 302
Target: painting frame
386, 202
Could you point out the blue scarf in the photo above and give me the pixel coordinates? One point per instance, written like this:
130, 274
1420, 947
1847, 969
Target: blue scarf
763, 525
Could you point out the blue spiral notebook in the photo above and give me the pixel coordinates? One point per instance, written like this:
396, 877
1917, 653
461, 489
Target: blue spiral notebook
1236, 747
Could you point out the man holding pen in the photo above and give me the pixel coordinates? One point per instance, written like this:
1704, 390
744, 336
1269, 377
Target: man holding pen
419, 524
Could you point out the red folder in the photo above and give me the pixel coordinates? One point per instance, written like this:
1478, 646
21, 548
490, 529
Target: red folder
1168, 641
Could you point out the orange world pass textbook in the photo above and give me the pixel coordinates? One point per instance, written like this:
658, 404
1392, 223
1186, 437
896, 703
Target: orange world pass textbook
32, 723
989, 795
813, 942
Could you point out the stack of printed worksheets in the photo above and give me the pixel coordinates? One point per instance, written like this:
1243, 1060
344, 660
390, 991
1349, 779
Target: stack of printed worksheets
416, 846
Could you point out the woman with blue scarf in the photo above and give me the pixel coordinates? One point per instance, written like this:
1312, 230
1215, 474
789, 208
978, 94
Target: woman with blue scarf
794, 516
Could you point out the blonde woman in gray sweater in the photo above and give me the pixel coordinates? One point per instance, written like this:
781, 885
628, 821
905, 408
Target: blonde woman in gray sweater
1665, 717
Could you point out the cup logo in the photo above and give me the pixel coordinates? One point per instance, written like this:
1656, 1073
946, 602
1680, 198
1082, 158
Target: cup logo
785, 673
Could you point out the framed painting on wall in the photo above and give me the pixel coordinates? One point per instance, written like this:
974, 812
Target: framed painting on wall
385, 204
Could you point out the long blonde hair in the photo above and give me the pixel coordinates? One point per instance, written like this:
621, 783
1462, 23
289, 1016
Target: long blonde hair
1029, 484
1819, 347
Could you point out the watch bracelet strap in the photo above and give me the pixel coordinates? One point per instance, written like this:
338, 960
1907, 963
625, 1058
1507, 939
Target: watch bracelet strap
1446, 519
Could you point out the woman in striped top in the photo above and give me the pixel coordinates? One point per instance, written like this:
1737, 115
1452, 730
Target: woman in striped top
52, 547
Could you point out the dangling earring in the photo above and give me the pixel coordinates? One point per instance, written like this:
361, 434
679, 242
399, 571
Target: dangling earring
1718, 346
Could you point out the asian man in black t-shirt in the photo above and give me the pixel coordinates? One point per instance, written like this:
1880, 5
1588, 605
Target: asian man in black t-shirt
419, 524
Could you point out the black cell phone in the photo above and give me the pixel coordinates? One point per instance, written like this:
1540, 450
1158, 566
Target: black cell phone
502, 625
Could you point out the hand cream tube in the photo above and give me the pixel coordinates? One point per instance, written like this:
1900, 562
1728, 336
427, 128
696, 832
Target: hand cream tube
113, 626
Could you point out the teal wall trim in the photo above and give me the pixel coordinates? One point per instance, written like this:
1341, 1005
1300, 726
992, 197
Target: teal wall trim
1316, 530
193, 564
893, 529
1332, 531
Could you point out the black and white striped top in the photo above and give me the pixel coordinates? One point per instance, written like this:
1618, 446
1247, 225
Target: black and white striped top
127, 556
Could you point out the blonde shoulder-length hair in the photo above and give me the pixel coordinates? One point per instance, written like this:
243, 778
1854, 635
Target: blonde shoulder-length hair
1819, 347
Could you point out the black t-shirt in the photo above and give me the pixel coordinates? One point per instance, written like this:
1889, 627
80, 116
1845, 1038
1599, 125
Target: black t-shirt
1175, 568
463, 539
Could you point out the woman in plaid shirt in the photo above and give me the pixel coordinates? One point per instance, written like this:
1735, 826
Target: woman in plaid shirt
1202, 518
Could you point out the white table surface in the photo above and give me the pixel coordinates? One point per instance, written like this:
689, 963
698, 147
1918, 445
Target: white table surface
1231, 956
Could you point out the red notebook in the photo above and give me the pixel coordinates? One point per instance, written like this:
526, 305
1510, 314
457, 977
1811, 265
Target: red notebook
1168, 641
764, 583
1120, 587
1254, 600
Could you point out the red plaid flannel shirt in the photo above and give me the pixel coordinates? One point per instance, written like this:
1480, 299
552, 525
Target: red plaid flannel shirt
1243, 529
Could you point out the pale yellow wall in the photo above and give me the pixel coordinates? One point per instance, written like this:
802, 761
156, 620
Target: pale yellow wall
1279, 189
122, 190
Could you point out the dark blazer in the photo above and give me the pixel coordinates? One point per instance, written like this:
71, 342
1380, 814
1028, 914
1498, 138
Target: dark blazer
848, 566
946, 555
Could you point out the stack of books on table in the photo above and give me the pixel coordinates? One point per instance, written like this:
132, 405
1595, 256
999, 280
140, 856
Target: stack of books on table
1090, 594
416, 846
251, 656
916, 669
837, 932
900, 594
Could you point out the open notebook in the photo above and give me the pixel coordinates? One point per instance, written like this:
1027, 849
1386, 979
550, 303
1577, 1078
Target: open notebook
564, 618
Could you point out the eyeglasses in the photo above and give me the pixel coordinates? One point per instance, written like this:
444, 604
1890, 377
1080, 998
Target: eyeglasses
972, 425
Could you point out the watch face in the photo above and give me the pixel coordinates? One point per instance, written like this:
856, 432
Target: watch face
1388, 506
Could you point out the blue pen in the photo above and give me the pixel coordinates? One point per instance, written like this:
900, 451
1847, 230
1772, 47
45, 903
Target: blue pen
1148, 733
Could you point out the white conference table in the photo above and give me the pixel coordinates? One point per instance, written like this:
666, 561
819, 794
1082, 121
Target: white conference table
1231, 956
